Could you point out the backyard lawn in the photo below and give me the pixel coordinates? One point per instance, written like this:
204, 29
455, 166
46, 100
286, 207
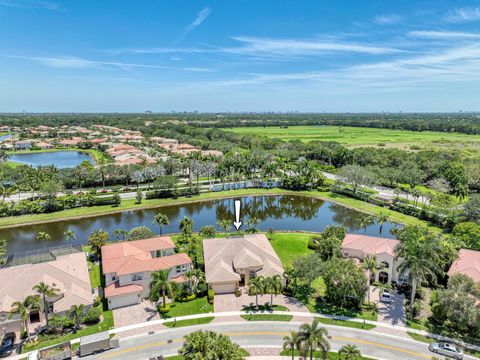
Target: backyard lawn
288, 246
197, 306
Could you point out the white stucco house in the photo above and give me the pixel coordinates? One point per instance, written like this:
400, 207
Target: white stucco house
360, 246
127, 267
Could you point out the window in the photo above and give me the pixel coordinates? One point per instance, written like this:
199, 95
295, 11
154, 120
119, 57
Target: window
114, 278
252, 274
402, 278
136, 277
158, 254
178, 269
184, 267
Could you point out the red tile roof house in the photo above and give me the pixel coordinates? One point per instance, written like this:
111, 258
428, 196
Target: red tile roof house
360, 246
467, 263
127, 267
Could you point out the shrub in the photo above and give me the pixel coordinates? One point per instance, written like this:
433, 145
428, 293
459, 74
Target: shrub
188, 298
97, 301
311, 243
93, 316
238, 292
211, 296
164, 309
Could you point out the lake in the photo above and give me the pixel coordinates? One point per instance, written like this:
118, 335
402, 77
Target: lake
61, 159
285, 212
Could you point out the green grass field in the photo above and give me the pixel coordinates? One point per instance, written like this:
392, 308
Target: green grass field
359, 136
288, 246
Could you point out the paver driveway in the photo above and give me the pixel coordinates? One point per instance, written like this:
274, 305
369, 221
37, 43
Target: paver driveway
390, 313
145, 311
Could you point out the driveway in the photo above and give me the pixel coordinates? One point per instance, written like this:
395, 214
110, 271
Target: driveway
390, 313
145, 311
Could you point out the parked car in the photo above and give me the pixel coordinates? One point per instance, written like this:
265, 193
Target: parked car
8, 344
386, 297
447, 349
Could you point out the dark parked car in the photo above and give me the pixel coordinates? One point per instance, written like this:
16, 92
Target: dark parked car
8, 344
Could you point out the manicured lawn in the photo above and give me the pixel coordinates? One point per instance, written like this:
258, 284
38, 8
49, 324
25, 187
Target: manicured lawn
95, 275
288, 246
200, 321
421, 338
416, 324
196, 306
360, 136
106, 324
350, 324
366, 313
252, 314
318, 355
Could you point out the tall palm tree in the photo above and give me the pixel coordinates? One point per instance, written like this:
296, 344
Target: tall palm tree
76, 313
160, 285
315, 337
382, 218
292, 342
161, 220
273, 286
366, 221
350, 352
256, 287
120, 233
70, 235
420, 253
194, 277
45, 291
43, 237
24, 308
372, 267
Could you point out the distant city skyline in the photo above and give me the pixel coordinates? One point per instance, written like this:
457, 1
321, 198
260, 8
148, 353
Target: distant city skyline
222, 56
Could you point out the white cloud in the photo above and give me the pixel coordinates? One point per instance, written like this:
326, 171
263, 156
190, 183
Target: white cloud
201, 16
444, 35
464, 14
30, 4
69, 62
387, 19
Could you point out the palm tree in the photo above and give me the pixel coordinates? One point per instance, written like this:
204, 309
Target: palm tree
291, 342
252, 223
45, 291
160, 285
372, 267
24, 308
420, 254
382, 218
43, 236
3, 250
161, 220
315, 337
194, 277
70, 235
256, 287
366, 221
225, 225
120, 233
76, 313
273, 286
350, 352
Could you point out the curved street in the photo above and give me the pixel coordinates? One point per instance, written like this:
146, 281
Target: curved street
264, 335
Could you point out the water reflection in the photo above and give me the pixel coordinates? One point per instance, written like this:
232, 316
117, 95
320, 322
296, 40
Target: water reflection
278, 212
61, 159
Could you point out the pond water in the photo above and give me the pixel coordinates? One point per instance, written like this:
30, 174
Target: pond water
5, 137
278, 212
61, 159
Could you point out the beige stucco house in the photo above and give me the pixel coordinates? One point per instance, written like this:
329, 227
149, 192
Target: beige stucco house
67, 273
127, 267
231, 263
360, 246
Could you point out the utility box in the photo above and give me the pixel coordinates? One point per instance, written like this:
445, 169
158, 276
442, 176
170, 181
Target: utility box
94, 343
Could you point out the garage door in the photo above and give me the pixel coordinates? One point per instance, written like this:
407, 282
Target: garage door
224, 288
121, 301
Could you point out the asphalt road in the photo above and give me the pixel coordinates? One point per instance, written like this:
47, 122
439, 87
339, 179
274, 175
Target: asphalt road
267, 334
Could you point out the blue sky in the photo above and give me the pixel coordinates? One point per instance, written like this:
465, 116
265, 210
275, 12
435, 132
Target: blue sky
279, 55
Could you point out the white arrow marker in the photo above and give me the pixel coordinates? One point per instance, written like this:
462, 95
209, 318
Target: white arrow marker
237, 223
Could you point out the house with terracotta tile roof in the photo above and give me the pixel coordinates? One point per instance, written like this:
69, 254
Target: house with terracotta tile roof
467, 263
231, 263
127, 267
67, 273
360, 246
